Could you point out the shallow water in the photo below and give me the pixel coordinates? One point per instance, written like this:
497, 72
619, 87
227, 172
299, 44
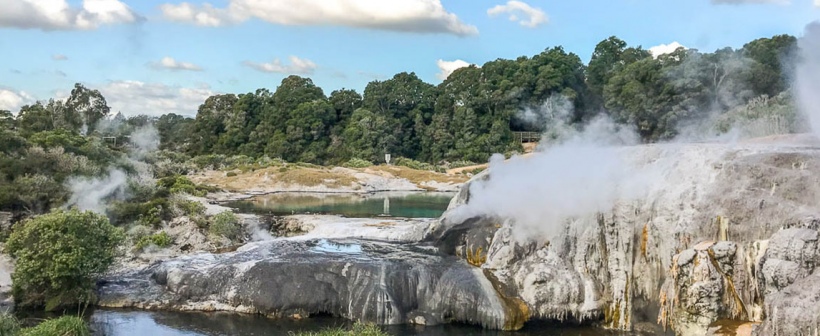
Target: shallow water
409, 205
112, 322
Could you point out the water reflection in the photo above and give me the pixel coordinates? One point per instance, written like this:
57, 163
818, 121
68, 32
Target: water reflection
408, 204
138, 323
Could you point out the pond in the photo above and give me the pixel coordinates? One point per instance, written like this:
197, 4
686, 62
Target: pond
391, 204
111, 322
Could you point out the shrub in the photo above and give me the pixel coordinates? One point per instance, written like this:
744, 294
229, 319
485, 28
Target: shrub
63, 326
358, 329
59, 256
180, 184
230, 174
225, 224
161, 239
190, 208
9, 326
413, 164
358, 163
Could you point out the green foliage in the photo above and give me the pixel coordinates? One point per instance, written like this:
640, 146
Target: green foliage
161, 240
230, 174
62, 326
182, 185
413, 164
190, 208
763, 116
358, 329
9, 325
358, 163
225, 224
59, 256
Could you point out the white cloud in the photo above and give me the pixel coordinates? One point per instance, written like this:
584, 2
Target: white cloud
59, 57
521, 12
134, 98
447, 67
59, 15
740, 2
13, 100
817, 3
172, 64
298, 66
418, 16
664, 49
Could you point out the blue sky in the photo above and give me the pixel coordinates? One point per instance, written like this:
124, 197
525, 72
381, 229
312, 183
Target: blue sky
160, 56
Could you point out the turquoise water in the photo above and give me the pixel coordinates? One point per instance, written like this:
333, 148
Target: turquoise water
408, 205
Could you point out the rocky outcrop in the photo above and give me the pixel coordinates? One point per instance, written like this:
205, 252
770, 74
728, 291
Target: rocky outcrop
724, 236
640, 261
367, 281
6, 269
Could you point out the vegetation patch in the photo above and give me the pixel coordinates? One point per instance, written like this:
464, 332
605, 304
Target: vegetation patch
59, 256
62, 326
161, 240
311, 177
358, 329
420, 176
225, 224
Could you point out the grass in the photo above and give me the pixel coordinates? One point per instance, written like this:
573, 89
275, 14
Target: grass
62, 326
358, 329
311, 177
419, 176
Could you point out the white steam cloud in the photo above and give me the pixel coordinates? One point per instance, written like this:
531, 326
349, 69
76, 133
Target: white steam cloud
807, 80
92, 193
575, 173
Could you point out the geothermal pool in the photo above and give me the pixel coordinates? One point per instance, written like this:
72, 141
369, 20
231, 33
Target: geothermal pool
389, 204
139, 323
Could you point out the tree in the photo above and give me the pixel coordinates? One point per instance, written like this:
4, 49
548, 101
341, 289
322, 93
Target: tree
773, 63
210, 122
84, 108
35, 118
59, 255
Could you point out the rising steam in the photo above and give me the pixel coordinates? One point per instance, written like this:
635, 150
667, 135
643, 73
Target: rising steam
807, 77
93, 193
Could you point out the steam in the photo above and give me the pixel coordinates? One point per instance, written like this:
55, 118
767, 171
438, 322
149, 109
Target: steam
575, 173
807, 78
91, 193
94, 193
146, 139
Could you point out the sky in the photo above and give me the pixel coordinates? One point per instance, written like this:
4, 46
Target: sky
166, 56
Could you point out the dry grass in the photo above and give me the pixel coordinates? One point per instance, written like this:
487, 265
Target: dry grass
381, 224
298, 175
418, 176
311, 177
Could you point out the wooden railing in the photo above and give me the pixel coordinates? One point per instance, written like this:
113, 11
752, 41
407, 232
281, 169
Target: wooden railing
525, 137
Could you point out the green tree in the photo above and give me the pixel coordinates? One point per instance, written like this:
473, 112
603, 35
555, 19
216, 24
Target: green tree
83, 109
35, 118
773, 63
210, 123
59, 256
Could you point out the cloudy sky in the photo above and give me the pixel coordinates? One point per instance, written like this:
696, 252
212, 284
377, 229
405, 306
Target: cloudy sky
162, 56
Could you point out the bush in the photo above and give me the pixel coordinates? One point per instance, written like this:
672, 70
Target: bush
180, 184
9, 326
230, 174
161, 240
413, 164
63, 326
358, 163
358, 329
225, 224
59, 256
190, 208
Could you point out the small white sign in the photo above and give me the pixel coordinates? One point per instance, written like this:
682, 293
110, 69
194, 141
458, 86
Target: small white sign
387, 158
